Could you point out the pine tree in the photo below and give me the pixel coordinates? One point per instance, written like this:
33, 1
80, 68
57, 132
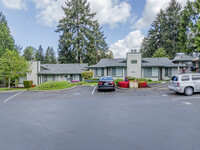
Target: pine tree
161, 52
164, 32
52, 56
81, 39
29, 53
6, 40
47, 59
39, 55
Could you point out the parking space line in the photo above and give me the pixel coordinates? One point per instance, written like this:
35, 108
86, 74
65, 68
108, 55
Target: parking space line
13, 96
94, 90
186, 98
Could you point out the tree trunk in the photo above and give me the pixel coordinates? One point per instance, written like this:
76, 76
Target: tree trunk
9, 83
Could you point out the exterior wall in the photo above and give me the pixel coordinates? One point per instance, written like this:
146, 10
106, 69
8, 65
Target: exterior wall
33, 76
134, 69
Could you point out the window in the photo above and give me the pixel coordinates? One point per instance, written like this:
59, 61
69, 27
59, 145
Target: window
166, 72
133, 61
117, 71
149, 72
76, 77
21, 80
106, 78
174, 78
195, 77
154, 72
45, 78
102, 72
113, 71
185, 78
97, 72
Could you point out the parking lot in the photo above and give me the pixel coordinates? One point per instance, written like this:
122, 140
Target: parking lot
83, 118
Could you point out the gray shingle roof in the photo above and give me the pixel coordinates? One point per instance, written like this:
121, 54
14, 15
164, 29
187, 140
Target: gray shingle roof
158, 62
118, 62
62, 68
184, 57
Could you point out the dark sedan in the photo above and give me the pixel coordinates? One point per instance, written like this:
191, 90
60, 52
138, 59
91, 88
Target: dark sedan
106, 83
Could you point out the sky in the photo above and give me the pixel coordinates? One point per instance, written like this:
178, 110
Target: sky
125, 22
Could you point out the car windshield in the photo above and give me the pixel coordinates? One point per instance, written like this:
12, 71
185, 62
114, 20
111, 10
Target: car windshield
106, 78
174, 78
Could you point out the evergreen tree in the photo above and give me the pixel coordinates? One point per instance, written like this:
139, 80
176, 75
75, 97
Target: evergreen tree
47, 56
81, 39
52, 56
39, 55
29, 53
164, 32
161, 52
6, 40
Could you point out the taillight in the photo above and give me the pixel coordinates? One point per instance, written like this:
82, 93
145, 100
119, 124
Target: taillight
178, 84
100, 83
112, 82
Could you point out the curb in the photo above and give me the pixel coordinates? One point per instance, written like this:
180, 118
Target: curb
59, 90
134, 89
13, 91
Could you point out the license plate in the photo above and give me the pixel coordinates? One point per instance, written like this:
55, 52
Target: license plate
105, 83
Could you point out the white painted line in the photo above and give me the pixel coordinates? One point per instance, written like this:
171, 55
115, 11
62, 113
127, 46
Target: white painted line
164, 95
94, 90
13, 96
187, 103
186, 98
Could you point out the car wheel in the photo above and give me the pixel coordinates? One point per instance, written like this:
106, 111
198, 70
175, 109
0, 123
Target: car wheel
99, 90
113, 89
189, 91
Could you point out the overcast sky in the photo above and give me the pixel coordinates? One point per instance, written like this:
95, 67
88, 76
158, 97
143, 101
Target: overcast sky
125, 22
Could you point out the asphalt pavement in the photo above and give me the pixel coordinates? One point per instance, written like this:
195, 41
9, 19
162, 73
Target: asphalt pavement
85, 119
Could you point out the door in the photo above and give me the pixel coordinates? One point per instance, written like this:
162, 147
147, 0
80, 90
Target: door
196, 81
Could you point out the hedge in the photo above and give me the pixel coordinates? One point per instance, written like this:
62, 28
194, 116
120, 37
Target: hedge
87, 74
27, 84
117, 81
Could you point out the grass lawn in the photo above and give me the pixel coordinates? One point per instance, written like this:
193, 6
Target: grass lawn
12, 89
156, 81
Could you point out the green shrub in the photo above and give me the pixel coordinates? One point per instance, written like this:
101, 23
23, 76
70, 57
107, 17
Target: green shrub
117, 81
87, 74
55, 85
141, 79
149, 80
130, 78
92, 80
27, 84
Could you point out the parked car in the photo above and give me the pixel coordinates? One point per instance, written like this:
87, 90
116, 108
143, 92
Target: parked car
106, 83
185, 83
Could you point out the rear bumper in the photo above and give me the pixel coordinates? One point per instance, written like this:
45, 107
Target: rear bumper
176, 89
106, 87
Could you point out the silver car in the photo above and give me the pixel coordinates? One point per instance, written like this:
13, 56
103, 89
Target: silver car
185, 83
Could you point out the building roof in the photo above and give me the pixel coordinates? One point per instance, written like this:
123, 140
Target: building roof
121, 62
118, 62
158, 62
185, 57
62, 68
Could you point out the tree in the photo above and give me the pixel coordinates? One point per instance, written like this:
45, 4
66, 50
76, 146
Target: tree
29, 53
52, 56
161, 52
39, 55
47, 59
81, 39
13, 66
164, 32
6, 40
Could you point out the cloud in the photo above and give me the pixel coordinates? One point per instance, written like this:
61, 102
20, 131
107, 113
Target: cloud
131, 41
14, 4
110, 12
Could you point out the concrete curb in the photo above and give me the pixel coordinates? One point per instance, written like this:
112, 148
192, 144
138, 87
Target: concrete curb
134, 89
13, 91
59, 90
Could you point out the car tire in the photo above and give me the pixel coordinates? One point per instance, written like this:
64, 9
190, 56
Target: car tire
99, 90
189, 91
113, 89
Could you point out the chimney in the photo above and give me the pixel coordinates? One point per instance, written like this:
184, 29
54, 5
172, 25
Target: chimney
133, 51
